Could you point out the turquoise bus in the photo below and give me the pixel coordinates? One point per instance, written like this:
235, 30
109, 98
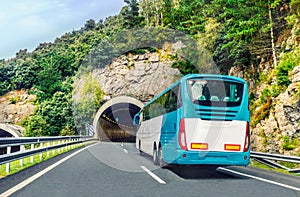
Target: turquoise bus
200, 119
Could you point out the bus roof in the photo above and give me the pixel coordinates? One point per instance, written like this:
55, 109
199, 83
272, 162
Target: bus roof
227, 77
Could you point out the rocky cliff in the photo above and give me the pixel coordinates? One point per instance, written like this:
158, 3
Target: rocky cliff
279, 131
140, 76
15, 106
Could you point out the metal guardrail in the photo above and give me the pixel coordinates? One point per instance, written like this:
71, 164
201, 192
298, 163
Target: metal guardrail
57, 143
270, 160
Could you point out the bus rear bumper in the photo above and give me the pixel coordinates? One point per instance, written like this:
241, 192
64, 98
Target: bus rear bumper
212, 158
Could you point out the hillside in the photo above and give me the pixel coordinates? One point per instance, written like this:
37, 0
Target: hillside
258, 41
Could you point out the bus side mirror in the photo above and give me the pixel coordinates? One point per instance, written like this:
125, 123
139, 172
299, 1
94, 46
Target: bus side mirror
136, 120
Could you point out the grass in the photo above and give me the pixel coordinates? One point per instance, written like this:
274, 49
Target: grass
15, 166
257, 164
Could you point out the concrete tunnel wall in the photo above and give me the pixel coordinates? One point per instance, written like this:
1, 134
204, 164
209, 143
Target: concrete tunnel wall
10, 130
99, 132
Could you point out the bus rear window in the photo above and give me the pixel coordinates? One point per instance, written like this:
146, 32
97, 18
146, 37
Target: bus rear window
215, 92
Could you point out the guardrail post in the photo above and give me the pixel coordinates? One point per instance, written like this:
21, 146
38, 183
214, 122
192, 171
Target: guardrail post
58, 148
68, 146
22, 149
48, 153
53, 151
65, 142
31, 158
8, 151
41, 154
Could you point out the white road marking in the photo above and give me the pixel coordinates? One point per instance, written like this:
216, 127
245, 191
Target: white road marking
36, 176
153, 175
125, 150
261, 179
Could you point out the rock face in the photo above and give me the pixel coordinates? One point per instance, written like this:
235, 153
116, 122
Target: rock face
15, 106
283, 121
280, 131
287, 111
140, 76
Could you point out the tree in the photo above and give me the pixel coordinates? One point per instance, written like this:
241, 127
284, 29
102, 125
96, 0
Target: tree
89, 25
87, 100
242, 20
7, 73
36, 126
58, 112
67, 131
153, 12
26, 72
130, 14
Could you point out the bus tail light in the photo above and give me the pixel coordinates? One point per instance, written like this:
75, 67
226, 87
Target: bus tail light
232, 147
181, 135
199, 146
247, 138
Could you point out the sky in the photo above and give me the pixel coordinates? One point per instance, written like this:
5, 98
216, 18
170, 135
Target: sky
26, 23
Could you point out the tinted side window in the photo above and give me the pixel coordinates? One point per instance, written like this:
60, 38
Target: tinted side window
146, 113
174, 100
168, 102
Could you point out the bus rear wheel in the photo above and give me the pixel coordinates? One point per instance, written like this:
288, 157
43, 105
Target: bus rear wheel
155, 157
161, 162
140, 148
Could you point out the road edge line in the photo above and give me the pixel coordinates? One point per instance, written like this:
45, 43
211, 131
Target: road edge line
154, 176
41, 173
261, 179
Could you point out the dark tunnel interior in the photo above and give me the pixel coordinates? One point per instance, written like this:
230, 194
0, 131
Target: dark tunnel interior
116, 122
4, 133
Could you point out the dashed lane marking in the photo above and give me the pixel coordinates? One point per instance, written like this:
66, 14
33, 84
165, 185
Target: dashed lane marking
153, 175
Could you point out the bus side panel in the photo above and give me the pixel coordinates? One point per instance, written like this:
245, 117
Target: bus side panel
148, 133
168, 136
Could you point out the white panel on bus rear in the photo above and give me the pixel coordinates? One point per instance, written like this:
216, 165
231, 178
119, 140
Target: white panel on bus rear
216, 134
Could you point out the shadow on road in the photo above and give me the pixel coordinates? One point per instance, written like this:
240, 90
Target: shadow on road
198, 172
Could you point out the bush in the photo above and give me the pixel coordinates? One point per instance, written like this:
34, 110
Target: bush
67, 131
285, 66
185, 67
265, 95
289, 144
262, 113
35, 126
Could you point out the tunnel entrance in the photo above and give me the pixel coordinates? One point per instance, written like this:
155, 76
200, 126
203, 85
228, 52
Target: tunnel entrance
7, 131
4, 133
114, 120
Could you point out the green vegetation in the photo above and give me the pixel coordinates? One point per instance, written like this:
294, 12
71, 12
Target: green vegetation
286, 65
256, 164
88, 103
290, 144
185, 67
235, 33
262, 112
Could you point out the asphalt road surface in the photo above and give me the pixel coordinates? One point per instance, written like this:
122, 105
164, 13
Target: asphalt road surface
117, 169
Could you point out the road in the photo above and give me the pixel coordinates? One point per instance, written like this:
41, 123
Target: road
117, 169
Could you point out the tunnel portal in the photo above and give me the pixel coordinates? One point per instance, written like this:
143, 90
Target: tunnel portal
114, 120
